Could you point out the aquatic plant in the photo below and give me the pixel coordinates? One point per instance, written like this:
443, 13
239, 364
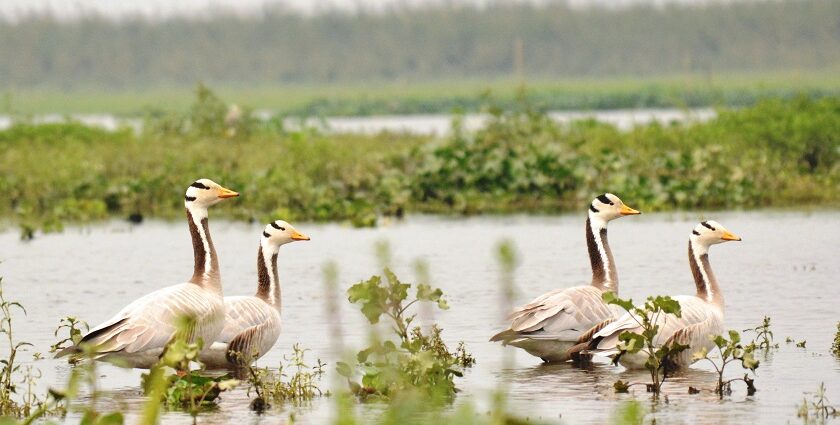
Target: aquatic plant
819, 407
277, 386
418, 360
730, 350
74, 334
647, 316
186, 388
763, 335
8, 405
835, 345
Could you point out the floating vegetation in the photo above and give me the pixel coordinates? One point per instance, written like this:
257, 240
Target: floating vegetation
418, 360
731, 350
763, 335
835, 345
277, 386
819, 408
801, 344
647, 317
776, 153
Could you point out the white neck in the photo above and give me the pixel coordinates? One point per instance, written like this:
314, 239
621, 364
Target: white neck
206, 271
268, 287
604, 275
704, 277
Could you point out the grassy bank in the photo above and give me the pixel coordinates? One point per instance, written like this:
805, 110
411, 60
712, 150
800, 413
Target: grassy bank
778, 153
689, 90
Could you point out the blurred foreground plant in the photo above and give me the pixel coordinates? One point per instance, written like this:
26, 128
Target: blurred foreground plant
173, 379
418, 360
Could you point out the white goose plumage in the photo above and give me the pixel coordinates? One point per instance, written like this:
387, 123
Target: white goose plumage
252, 323
701, 314
551, 324
137, 334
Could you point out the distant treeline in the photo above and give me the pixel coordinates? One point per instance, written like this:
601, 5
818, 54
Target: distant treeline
551, 40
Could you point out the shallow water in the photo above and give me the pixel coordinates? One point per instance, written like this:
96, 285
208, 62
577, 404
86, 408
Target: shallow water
421, 124
786, 267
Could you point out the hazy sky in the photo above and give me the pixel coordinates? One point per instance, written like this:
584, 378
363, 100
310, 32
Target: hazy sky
163, 8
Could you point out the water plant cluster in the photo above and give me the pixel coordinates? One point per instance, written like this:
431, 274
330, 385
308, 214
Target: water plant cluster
660, 356
777, 153
416, 360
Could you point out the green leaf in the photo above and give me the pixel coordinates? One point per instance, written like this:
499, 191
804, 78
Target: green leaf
612, 298
344, 369
362, 356
115, 418
427, 293
372, 311
734, 336
749, 361
631, 342
668, 305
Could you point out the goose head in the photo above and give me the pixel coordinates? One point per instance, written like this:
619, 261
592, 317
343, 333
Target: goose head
609, 207
204, 193
279, 233
709, 233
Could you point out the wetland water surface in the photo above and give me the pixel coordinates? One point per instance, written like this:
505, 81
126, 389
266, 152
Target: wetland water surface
786, 267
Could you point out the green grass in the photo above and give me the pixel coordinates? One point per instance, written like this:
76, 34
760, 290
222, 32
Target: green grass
439, 96
777, 153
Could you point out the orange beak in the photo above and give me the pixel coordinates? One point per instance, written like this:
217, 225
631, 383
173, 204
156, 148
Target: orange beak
625, 210
730, 236
297, 236
227, 193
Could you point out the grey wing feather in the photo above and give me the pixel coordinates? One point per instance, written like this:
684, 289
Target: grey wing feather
149, 322
576, 309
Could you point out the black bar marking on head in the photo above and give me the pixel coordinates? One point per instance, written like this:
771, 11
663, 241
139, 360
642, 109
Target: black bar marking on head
200, 185
277, 226
189, 198
266, 234
603, 198
592, 208
695, 232
709, 226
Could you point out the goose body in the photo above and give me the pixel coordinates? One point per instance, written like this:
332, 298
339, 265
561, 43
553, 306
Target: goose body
252, 323
701, 315
551, 324
137, 335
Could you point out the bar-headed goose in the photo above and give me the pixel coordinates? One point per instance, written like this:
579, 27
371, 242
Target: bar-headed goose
549, 325
252, 323
137, 335
701, 314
